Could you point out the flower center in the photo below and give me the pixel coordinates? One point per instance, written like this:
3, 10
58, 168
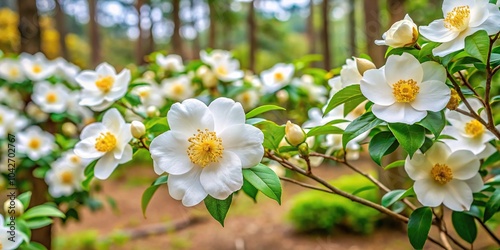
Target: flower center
474, 128
245, 98
278, 76
34, 143
14, 72
51, 97
441, 173
75, 159
221, 70
67, 177
405, 90
458, 18
36, 69
178, 89
105, 142
205, 148
144, 93
105, 83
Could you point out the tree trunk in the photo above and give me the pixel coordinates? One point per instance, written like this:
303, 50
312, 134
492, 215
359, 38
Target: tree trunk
396, 10
213, 28
325, 36
39, 196
29, 27
95, 42
139, 50
252, 36
176, 37
372, 31
196, 40
352, 27
61, 29
310, 29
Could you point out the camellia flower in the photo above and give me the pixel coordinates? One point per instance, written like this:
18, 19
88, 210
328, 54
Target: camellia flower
177, 88
65, 176
401, 34
66, 70
461, 19
248, 98
215, 56
277, 77
206, 149
150, 94
5, 242
11, 71
170, 62
228, 70
443, 176
107, 140
35, 143
10, 122
37, 67
51, 98
404, 90
103, 86
468, 132
11, 98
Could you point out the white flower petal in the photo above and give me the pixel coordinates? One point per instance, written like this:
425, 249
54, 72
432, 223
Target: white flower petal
93, 130
458, 195
86, 149
463, 164
113, 120
487, 152
104, 69
403, 67
170, 154
87, 80
126, 155
433, 71
223, 178
491, 25
448, 5
437, 32
246, 142
429, 192
438, 153
187, 187
226, 113
456, 44
475, 183
398, 112
374, 87
433, 96
190, 116
90, 97
105, 166
418, 167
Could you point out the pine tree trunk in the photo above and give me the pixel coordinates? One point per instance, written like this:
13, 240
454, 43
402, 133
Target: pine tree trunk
252, 36
372, 31
325, 36
352, 27
176, 37
310, 29
29, 27
196, 40
213, 26
61, 29
396, 10
139, 50
95, 42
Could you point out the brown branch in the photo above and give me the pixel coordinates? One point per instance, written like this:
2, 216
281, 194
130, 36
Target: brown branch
305, 185
143, 143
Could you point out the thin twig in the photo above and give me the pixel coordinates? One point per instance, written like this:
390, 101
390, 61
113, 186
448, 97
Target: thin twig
305, 185
488, 230
143, 143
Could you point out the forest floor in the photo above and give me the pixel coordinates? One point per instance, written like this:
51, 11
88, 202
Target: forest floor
247, 225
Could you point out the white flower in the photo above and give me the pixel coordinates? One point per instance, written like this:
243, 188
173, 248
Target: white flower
462, 18
107, 140
469, 133
228, 70
401, 34
35, 113
10, 122
443, 176
404, 90
315, 92
74, 108
66, 70
103, 86
170, 62
215, 57
277, 77
65, 176
11, 71
37, 67
248, 98
150, 95
5, 242
11, 98
51, 98
177, 88
35, 143
206, 149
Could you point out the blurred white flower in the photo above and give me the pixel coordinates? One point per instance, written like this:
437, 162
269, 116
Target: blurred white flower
216, 56
248, 99
10, 70
177, 88
277, 77
401, 34
74, 108
228, 70
11, 98
461, 19
37, 67
150, 95
170, 62
5, 241
35, 143
66, 70
315, 92
10, 121
103, 86
35, 113
51, 98
445, 177
65, 175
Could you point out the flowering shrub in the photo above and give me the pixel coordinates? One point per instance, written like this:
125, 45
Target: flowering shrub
433, 101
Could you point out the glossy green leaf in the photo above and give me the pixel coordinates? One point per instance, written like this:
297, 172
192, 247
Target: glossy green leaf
410, 137
464, 225
150, 191
262, 109
25, 199
381, 144
395, 195
218, 208
492, 205
395, 164
477, 45
265, 180
250, 190
360, 125
419, 226
42, 211
324, 130
39, 222
350, 96
434, 122
273, 134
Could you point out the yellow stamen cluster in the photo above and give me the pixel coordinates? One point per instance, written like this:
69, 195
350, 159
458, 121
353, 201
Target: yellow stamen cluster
67, 177
441, 173
178, 89
458, 18
474, 128
36, 68
144, 93
405, 90
205, 148
75, 159
105, 142
278, 76
51, 97
454, 100
221, 70
14, 72
34, 143
105, 83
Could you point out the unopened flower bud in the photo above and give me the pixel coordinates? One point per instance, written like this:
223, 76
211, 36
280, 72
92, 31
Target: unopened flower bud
202, 70
13, 207
149, 75
282, 96
454, 100
36, 113
364, 65
138, 129
152, 111
69, 129
401, 34
88, 121
294, 134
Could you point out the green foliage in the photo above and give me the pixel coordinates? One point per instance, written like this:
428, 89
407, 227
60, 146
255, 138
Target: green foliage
419, 226
150, 191
265, 180
465, 226
381, 144
318, 211
410, 137
218, 208
477, 45
350, 96
360, 125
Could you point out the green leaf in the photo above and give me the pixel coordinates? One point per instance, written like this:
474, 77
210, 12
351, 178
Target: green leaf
39, 222
351, 96
150, 191
419, 226
360, 125
34, 246
410, 137
477, 45
134, 100
42, 211
465, 226
273, 134
23, 228
362, 189
324, 130
25, 199
250, 190
381, 144
434, 122
427, 49
492, 159
492, 205
395, 195
395, 164
218, 208
262, 109
265, 180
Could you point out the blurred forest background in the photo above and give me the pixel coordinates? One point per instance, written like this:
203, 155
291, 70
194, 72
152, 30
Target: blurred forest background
259, 32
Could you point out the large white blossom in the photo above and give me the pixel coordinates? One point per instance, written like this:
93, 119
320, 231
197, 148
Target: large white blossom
103, 86
35, 143
443, 176
404, 90
216, 56
177, 88
206, 149
227, 70
51, 98
107, 141
462, 18
37, 67
66, 175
